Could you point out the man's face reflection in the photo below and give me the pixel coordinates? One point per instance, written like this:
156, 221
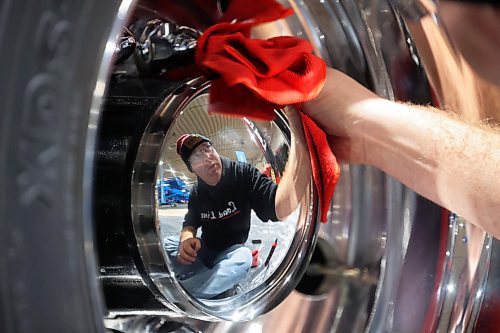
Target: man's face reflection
206, 164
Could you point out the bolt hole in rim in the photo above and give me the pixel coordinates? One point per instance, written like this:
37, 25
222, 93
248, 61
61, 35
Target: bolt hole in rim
349, 203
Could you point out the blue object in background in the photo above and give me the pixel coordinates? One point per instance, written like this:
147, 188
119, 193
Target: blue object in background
240, 156
172, 191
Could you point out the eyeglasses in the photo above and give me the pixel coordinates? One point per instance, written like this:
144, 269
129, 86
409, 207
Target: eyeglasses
207, 149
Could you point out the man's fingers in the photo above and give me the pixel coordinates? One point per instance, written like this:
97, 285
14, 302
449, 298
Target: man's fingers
191, 246
190, 249
185, 259
197, 245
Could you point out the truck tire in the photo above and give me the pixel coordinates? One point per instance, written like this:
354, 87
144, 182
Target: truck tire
50, 59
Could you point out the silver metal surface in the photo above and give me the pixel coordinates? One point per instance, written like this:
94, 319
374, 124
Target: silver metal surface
393, 261
164, 45
430, 268
90, 145
150, 323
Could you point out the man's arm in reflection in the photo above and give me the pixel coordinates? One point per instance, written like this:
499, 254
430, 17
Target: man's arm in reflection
297, 174
449, 161
188, 246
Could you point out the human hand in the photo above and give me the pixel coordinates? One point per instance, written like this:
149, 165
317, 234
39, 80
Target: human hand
295, 122
340, 110
188, 250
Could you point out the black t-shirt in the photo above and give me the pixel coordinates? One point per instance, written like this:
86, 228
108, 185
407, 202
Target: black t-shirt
223, 211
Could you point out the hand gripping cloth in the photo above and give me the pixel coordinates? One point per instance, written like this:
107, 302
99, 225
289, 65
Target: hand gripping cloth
253, 77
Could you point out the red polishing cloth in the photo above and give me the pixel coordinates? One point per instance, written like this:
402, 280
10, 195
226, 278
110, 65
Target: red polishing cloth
255, 258
253, 77
325, 168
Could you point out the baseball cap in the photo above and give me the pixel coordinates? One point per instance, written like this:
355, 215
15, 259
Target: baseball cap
186, 143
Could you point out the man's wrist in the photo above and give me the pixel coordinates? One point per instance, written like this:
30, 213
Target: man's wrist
187, 233
185, 237
365, 128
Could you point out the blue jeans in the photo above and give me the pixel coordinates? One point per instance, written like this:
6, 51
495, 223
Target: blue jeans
213, 271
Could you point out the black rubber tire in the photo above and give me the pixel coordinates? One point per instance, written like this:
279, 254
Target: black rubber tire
51, 52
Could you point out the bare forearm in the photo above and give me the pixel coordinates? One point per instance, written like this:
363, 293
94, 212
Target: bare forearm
448, 161
297, 174
445, 160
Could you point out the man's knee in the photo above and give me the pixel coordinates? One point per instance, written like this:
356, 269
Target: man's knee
242, 257
171, 244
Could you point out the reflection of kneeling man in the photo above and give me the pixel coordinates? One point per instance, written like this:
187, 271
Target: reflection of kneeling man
220, 204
